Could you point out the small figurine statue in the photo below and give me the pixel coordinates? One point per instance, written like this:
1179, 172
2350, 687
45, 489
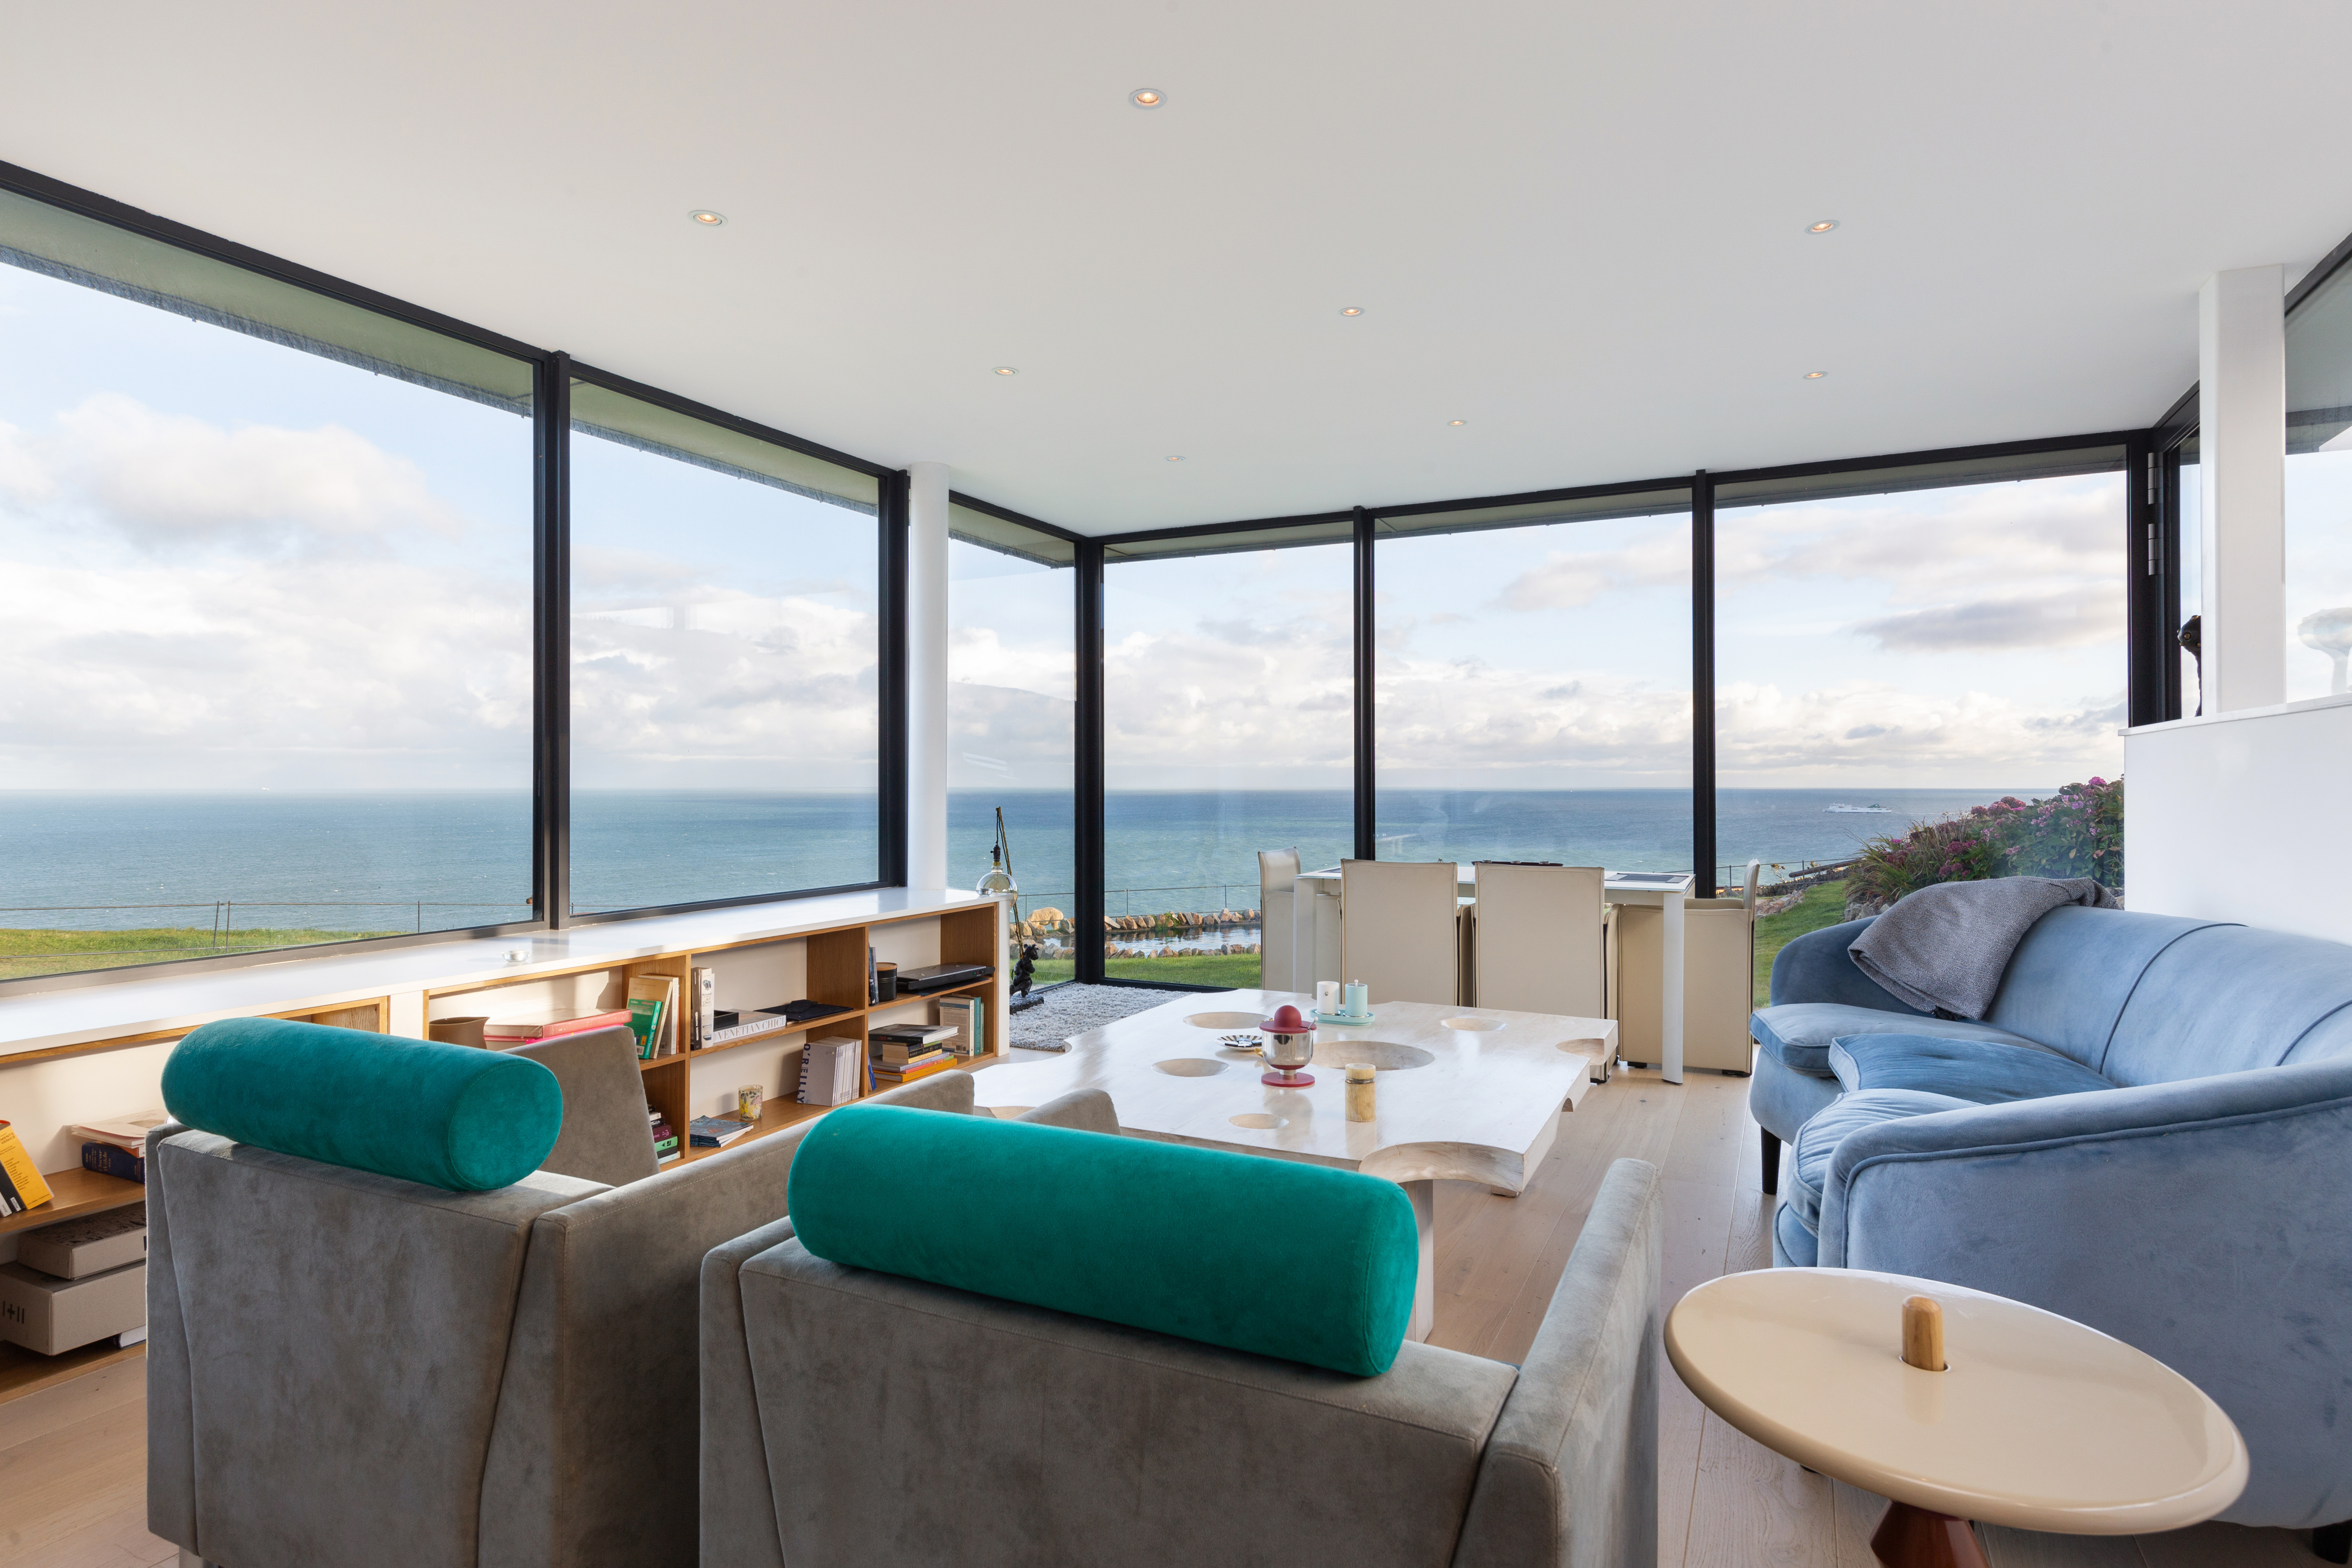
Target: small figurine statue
1025, 969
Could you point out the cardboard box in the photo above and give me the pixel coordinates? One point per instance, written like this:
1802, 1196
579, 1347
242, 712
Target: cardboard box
52, 1315
77, 1248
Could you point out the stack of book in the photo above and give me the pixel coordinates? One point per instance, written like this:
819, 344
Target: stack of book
830, 1071
902, 1053
547, 1026
717, 1131
665, 1149
118, 1146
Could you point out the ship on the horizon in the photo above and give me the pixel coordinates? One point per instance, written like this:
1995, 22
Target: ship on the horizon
1861, 809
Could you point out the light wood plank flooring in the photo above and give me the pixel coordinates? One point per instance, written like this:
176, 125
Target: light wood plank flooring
73, 1458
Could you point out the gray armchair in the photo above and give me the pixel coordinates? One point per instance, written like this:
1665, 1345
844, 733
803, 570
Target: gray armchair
347, 1368
854, 1418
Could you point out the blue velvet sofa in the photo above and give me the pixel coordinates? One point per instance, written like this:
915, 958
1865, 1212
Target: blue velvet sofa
2150, 1133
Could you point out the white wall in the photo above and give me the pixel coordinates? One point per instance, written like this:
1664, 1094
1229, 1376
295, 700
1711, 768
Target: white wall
2243, 817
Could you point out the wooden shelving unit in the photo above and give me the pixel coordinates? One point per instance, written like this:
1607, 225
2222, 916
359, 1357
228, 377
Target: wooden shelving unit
827, 965
72, 1193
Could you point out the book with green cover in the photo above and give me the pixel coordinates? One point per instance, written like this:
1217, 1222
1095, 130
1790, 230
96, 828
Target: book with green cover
644, 1022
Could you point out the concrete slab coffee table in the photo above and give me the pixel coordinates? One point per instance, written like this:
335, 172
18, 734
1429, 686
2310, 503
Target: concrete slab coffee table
1470, 1094
2037, 1422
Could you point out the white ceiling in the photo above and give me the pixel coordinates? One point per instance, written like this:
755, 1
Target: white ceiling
1577, 227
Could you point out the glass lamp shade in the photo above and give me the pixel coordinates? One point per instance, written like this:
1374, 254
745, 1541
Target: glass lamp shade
998, 883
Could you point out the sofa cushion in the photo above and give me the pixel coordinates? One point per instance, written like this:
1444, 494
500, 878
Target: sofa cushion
2067, 982
1979, 1071
1821, 1136
2227, 998
1801, 1032
1184, 1241
453, 1117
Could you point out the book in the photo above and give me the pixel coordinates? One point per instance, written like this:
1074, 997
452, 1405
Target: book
892, 1078
717, 1131
913, 1034
705, 989
126, 1131
547, 1026
21, 1186
969, 1014
887, 1054
830, 1070
653, 1014
114, 1160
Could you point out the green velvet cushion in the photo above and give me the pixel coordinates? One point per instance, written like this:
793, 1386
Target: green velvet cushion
1305, 1262
452, 1117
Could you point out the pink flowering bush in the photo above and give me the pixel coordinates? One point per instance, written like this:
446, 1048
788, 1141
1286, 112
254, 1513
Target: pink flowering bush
2078, 832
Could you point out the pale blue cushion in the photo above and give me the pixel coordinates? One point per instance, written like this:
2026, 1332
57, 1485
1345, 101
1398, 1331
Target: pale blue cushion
1783, 1099
2071, 977
2227, 998
1801, 1033
1820, 1136
1980, 1072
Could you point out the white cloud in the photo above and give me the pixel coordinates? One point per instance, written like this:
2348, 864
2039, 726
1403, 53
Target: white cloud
172, 480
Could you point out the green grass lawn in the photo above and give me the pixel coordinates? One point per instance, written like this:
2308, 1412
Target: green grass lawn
24, 952
1236, 971
1822, 906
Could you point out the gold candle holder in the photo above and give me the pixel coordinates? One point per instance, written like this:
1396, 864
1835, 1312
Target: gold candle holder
1362, 1090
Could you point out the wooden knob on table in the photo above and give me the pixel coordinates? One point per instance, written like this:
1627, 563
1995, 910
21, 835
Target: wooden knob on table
1923, 1333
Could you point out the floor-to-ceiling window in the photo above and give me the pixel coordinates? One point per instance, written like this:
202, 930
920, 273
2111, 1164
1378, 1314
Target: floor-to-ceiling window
2319, 490
1533, 695
1895, 648
725, 645
1012, 680
1228, 699
265, 670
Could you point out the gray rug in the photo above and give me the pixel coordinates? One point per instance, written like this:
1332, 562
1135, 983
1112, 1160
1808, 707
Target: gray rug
1074, 1009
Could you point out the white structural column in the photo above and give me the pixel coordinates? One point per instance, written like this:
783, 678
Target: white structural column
2242, 448
927, 676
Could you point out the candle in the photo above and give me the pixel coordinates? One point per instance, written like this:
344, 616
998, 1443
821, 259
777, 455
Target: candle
1360, 1091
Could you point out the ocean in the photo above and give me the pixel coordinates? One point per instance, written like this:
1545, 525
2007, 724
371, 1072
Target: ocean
438, 861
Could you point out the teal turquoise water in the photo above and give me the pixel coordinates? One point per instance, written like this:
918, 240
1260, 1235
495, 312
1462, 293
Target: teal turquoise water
439, 861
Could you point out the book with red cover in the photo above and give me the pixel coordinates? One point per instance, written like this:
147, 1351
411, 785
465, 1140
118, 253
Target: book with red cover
568, 1021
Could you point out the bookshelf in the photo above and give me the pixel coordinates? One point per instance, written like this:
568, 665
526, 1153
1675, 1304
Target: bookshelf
826, 965
763, 954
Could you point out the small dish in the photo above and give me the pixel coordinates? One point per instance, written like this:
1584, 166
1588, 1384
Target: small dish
1343, 1019
1241, 1042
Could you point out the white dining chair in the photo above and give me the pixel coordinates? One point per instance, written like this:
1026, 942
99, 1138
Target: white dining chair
1277, 894
1539, 944
1398, 930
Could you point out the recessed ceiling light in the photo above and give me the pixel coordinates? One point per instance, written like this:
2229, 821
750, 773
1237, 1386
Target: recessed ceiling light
1175, 459
1352, 310
1146, 98
1815, 375
1824, 226
1458, 421
707, 218
1006, 370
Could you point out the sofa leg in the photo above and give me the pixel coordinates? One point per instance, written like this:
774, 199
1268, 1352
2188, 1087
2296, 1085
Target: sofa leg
1771, 1160
2333, 1542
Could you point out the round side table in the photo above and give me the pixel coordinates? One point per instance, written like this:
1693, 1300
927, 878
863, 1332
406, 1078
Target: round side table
2038, 1422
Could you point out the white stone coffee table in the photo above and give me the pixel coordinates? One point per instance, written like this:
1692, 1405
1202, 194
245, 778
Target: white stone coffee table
1467, 1094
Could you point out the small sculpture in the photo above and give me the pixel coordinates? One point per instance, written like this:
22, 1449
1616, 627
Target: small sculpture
1025, 969
1289, 1046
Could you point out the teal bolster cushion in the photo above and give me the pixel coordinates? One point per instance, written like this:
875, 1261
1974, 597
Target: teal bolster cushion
1305, 1262
448, 1116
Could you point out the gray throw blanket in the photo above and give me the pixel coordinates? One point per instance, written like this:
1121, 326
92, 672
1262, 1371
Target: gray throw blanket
1944, 948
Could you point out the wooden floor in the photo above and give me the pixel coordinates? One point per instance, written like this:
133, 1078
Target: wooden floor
73, 1470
